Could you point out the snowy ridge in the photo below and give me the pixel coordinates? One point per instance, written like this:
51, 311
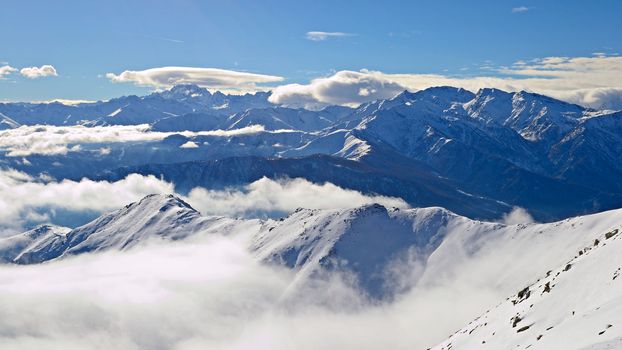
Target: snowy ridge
363, 241
577, 305
7, 123
493, 144
550, 270
12, 247
154, 217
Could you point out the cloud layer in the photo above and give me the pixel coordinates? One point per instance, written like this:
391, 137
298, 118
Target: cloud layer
284, 196
38, 72
147, 299
321, 36
25, 200
210, 293
55, 140
589, 81
221, 79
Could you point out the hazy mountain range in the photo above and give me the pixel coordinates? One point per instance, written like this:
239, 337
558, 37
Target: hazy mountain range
478, 154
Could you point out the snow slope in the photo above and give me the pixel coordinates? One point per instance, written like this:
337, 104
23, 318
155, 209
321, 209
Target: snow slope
14, 246
577, 305
154, 217
364, 241
7, 123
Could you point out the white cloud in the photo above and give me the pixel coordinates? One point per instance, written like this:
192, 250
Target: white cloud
54, 140
520, 9
22, 195
348, 88
210, 293
145, 299
65, 101
321, 36
189, 144
517, 216
589, 81
38, 72
162, 297
213, 78
6, 70
283, 196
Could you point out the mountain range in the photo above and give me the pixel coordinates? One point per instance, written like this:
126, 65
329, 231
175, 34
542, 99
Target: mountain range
477, 154
461, 160
561, 277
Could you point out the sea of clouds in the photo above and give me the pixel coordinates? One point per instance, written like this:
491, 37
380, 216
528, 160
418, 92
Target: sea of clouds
210, 293
26, 200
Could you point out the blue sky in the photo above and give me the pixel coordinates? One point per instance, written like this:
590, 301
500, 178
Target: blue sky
84, 40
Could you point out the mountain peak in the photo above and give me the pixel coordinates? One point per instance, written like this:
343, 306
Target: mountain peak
447, 94
163, 201
404, 95
528, 95
370, 209
182, 91
492, 93
156, 216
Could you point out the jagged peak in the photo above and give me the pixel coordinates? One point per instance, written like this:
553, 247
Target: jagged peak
529, 95
372, 208
375, 209
445, 88
186, 88
434, 90
219, 94
185, 91
161, 201
43, 229
265, 94
403, 95
492, 92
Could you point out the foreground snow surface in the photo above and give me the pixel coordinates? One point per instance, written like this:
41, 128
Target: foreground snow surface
577, 305
410, 276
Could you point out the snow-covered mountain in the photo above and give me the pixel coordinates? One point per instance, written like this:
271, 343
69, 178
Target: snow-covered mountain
506, 149
455, 155
576, 305
12, 247
562, 277
519, 148
7, 123
364, 239
132, 110
154, 217
274, 118
412, 181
